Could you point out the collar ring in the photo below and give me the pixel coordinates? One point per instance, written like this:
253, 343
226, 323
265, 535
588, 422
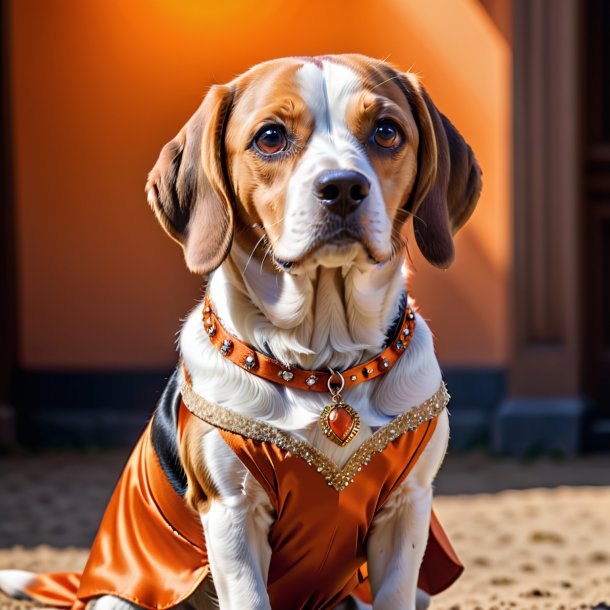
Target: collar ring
333, 387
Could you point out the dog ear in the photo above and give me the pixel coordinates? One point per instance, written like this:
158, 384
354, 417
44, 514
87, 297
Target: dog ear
448, 183
188, 190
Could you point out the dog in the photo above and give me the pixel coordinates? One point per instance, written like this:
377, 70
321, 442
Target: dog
297, 442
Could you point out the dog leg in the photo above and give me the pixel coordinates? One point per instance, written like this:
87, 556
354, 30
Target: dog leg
400, 531
238, 553
236, 525
396, 550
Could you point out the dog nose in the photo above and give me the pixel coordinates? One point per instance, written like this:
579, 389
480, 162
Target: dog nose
341, 190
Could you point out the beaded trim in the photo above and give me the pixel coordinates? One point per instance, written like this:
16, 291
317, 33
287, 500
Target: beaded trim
231, 421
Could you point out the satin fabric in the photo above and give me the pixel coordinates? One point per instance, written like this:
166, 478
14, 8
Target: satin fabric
150, 548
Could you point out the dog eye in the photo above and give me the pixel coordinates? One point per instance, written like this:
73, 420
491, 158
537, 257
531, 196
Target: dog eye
270, 140
387, 134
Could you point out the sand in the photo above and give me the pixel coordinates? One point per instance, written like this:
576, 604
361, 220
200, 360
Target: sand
532, 549
527, 549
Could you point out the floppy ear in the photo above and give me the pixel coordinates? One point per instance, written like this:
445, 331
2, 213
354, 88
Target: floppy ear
448, 183
188, 190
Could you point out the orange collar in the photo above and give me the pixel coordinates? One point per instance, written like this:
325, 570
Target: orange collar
268, 368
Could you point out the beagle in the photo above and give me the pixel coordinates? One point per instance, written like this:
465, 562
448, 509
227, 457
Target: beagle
290, 461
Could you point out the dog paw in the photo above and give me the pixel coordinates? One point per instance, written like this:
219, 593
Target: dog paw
110, 602
422, 600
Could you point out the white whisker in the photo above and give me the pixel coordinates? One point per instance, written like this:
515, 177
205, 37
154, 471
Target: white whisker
264, 236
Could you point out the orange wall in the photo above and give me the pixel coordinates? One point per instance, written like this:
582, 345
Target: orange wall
99, 86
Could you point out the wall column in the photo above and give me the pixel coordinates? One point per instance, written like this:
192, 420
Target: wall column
544, 409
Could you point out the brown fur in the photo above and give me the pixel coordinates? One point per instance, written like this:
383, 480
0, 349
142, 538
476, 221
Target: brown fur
260, 185
208, 178
201, 488
398, 171
448, 183
187, 187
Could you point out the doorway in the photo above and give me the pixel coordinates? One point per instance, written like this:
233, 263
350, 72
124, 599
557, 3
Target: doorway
596, 205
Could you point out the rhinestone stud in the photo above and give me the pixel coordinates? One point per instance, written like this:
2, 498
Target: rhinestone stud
250, 361
311, 380
354, 377
226, 347
286, 375
400, 345
212, 330
406, 332
385, 363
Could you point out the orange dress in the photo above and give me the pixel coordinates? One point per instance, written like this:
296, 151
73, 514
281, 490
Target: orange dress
150, 548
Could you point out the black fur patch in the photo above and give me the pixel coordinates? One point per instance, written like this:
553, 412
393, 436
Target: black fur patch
165, 437
393, 330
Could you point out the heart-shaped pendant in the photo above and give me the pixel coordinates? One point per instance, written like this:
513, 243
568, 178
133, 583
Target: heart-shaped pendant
339, 422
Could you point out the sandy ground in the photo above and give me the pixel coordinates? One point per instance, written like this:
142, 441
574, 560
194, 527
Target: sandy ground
533, 535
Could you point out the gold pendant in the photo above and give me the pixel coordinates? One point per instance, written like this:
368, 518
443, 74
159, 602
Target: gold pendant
339, 422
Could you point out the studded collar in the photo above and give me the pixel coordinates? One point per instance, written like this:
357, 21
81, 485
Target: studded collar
270, 369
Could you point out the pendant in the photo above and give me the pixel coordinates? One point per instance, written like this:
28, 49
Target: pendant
339, 422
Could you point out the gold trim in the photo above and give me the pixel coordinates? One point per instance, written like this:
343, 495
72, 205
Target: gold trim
329, 432
231, 421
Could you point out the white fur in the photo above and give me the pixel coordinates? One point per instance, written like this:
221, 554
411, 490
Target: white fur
14, 582
327, 93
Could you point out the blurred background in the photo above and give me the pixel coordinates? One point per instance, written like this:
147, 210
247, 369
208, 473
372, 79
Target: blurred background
93, 291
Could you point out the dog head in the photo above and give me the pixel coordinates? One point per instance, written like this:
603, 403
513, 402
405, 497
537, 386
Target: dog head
321, 158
